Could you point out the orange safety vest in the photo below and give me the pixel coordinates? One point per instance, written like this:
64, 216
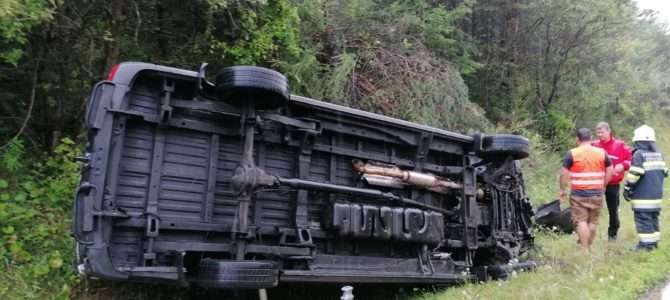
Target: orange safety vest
588, 168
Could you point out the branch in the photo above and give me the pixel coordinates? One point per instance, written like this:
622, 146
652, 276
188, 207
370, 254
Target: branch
139, 20
30, 107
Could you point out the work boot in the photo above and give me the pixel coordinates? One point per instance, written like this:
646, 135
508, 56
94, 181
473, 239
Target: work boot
647, 247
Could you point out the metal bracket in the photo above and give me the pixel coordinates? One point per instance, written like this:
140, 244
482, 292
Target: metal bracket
153, 226
166, 108
110, 213
152, 229
423, 146
469, 208
304, 163
425, 264
303, 238
303, 124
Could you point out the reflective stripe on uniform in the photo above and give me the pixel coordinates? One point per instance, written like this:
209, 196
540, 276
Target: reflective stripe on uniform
588, 182
636, 170
645, 203
649, 237
653, 165
587, 174
632, 176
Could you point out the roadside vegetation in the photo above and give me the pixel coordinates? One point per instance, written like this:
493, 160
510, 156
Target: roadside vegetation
533, 67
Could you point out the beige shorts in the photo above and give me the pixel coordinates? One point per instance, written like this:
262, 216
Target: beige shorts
585, 209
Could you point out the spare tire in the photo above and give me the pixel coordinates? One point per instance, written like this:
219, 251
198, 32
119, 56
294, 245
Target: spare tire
235, 274
237, 85
503, 145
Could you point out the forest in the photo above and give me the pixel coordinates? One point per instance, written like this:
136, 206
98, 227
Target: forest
539, 68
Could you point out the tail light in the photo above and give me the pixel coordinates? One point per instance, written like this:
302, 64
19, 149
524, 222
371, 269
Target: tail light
112, 72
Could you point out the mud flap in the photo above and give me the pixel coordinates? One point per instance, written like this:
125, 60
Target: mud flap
99, 263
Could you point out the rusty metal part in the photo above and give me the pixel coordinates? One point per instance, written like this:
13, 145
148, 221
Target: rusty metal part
384, 181
393, 175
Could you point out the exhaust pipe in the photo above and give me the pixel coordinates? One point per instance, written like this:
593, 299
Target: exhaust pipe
392, 176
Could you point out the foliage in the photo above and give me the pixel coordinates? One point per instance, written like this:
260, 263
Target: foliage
260, 35
17, 19
34, 221
558, 127
567, 61
399, 58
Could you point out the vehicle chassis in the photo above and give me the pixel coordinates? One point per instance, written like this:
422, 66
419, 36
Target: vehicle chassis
174, 177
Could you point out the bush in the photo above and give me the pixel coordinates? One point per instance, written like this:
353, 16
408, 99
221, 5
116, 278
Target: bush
35, 218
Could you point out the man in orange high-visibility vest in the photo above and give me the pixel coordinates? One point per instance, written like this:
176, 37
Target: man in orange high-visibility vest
586, 171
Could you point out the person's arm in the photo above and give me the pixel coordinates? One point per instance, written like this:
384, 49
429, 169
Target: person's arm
564, 177
634, 173
665, 168
609, 170
564, 183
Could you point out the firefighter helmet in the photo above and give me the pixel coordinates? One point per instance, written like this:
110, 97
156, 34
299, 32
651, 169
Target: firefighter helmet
644, 133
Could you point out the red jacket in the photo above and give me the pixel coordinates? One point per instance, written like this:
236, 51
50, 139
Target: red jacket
618, 153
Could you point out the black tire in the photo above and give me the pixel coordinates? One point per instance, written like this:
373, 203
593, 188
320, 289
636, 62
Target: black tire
231, 274
504, 145
237, 85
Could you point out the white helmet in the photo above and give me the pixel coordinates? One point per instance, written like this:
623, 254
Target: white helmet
644, 133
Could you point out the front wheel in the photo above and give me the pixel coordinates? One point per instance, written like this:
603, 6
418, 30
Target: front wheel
502, 146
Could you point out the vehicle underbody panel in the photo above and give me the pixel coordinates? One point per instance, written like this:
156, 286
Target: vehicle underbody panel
177, 181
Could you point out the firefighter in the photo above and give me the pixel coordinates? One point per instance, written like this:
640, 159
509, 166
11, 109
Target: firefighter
643, 186
620, 155
586, 171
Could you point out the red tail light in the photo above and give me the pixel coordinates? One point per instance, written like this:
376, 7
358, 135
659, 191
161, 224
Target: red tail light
112, 72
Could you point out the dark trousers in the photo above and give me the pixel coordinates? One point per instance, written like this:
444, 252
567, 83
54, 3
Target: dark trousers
646, 223
612, 199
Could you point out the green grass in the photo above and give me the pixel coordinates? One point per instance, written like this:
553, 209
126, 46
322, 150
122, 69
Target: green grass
612, 271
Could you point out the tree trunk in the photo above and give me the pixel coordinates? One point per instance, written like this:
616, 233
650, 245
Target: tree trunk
117, 21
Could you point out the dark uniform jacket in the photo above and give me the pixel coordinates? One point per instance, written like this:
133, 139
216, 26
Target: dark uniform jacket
644, 182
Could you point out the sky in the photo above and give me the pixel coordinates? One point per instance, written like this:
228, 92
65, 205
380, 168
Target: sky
662, 6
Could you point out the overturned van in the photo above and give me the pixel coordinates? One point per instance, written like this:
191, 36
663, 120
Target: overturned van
238, 184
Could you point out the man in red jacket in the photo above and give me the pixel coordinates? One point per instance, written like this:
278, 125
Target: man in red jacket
620, 155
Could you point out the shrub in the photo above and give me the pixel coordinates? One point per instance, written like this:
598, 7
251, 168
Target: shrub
35, 244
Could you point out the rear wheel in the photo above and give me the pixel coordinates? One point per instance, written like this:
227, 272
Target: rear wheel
231, 274
267, 88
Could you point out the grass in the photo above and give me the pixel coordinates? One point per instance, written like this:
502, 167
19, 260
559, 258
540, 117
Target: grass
612, 271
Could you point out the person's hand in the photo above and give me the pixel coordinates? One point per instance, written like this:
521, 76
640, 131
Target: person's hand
562, 195
618, 168
626, 194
